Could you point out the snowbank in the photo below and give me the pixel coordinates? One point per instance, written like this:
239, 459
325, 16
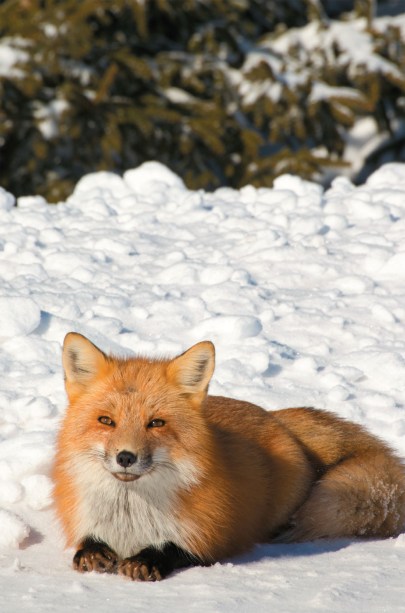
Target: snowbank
303, 293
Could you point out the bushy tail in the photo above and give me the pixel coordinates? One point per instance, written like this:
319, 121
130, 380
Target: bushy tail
363, 495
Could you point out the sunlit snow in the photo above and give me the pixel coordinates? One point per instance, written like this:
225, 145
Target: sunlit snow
303, 293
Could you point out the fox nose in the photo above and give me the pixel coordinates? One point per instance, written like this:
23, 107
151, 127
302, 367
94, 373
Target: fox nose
126, 458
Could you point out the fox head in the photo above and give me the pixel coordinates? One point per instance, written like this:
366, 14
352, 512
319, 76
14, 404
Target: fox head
136, 417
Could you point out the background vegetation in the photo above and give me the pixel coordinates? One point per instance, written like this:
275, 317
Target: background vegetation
224, 92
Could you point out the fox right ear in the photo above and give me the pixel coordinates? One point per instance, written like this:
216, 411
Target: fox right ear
192, 370
82, 362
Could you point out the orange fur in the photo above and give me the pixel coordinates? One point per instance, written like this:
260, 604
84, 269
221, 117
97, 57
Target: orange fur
212, 475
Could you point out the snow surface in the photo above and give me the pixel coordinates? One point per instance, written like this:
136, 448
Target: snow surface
303, 293
11, 54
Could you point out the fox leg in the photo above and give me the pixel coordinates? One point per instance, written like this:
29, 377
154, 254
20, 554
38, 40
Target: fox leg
153, 564
363, 495
95, 555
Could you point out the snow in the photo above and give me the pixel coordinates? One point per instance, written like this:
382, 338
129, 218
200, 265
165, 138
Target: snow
322, 91
19, 316
295, 61
49, 116
302, 292
7, 200
11, 54
13, 530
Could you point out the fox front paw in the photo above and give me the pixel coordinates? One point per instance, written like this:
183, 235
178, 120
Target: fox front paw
140, 568
97, 557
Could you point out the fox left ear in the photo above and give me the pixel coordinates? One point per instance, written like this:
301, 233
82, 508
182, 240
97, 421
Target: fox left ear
83, 363
193, 369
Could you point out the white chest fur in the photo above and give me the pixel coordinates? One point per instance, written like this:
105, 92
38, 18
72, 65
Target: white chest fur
129, 516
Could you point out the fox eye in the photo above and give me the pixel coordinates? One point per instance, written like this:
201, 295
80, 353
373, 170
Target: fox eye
156, 423
107, 421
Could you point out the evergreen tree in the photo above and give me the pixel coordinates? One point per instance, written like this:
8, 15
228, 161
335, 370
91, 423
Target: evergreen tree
225, 92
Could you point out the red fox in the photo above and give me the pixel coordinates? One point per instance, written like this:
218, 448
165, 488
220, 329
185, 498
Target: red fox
152, 474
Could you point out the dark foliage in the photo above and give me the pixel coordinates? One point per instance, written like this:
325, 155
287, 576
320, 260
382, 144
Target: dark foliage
201, 86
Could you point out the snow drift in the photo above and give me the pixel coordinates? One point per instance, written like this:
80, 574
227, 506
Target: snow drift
301, 290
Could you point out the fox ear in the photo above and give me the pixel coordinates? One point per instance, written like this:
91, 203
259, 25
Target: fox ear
192, 370
82, 362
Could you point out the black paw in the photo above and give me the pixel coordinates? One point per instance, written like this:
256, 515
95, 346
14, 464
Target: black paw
97, 557
154, 564
139, 568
